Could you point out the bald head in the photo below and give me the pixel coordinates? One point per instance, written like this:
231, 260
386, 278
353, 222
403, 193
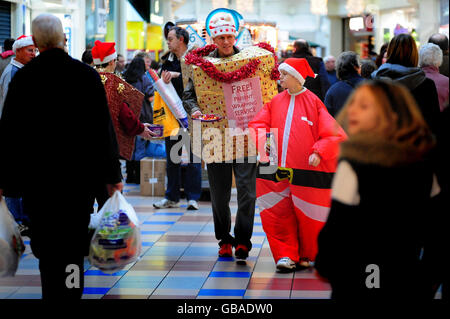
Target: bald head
48, 32
441, 40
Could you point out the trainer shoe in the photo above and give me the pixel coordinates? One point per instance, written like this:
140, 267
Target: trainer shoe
226, 250
192, 205
285, 264
165, 203
241, 254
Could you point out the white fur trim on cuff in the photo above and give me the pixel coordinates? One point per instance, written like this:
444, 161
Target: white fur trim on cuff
289, 69
107, 59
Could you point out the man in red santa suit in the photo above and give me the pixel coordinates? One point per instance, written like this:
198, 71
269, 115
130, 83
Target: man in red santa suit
294, 201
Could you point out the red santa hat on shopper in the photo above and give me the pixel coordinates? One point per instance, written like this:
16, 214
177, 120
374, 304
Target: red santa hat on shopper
103, 52
297, 67
22, 41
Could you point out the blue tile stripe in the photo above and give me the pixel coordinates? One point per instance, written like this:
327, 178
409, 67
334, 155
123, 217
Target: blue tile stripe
152, 232
101, 273
147, 243
222, 292
168, 214
223, 274
259, 234
95, 291
158, 223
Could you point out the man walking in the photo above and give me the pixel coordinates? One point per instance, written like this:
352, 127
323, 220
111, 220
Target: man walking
63, 98
220, 174
177, 39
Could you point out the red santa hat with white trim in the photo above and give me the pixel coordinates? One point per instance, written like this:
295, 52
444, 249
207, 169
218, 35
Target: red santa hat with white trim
22, 41
103, 52
297, 67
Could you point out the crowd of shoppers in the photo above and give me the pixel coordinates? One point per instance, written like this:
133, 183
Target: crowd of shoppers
376, 135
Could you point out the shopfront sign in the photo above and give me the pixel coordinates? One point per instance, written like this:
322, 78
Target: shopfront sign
101, 17
194, 38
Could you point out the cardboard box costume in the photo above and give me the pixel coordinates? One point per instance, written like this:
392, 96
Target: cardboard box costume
236, 102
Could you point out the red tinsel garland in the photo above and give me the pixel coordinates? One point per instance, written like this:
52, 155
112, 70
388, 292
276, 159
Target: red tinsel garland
196, 57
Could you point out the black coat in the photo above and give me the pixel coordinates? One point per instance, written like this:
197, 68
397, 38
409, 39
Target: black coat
174, 66
339, 92
320, 84
380, 215
57, 142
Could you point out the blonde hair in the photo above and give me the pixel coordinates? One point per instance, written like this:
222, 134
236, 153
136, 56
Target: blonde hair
401, 120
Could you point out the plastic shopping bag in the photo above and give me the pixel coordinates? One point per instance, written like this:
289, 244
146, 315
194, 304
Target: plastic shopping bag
156, 149
117, 238
163, 116
11, 243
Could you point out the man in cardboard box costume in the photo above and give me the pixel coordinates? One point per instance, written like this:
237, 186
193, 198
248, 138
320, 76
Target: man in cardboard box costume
232, 84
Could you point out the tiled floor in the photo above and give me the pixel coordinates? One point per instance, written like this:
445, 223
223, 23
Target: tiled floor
179, 261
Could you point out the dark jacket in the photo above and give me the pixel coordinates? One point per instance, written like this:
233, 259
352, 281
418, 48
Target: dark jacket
422, 88
189, 96
145, 86
171, 63
339, 92
380, 216
56, 127
320, 84
332, 77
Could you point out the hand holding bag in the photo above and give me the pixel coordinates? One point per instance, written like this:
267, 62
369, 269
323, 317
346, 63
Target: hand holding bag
117, 238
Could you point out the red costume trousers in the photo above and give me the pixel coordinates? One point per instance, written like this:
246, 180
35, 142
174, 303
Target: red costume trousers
292, 217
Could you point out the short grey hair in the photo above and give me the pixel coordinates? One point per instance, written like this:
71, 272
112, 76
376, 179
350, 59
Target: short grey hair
48, 32
347, 64
430, 54
327, 58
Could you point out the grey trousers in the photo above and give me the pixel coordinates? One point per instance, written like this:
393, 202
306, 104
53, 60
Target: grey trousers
220, 183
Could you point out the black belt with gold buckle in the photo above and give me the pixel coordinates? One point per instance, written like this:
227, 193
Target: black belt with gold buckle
300, 177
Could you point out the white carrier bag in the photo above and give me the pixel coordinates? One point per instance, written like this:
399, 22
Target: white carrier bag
117, 238
11, 243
